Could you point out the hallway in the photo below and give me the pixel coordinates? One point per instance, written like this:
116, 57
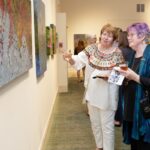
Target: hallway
69, 128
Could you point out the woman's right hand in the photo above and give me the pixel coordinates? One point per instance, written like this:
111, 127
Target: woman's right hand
66, 55
130, 75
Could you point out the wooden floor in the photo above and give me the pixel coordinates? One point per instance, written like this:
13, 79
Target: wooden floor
69, 128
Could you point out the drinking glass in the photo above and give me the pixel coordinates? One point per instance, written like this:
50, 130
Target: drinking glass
124, 66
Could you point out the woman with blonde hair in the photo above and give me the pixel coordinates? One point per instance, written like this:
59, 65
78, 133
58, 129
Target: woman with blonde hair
101, 96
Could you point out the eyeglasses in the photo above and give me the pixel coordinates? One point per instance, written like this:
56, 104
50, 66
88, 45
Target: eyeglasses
131, 35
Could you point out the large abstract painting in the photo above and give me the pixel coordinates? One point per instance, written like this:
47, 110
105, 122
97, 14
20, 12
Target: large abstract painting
15, 39
40, 37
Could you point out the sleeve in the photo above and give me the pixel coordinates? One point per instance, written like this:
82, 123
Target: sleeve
118, 56
80, 60
89, 49
145, 81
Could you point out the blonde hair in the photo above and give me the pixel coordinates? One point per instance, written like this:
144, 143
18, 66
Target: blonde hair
110, 29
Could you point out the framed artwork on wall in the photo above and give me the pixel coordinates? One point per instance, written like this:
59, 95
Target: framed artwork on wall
48, 41
82, 37
53, 31
15, 39
40, 38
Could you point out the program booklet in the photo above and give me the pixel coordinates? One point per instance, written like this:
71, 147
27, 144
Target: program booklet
115, 77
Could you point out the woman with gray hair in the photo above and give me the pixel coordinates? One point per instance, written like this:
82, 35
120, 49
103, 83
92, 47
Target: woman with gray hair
136, 128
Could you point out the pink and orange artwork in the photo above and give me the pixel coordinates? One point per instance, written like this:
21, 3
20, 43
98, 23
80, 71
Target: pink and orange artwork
15, 39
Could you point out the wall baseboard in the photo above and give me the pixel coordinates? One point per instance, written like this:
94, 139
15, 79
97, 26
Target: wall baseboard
48, 125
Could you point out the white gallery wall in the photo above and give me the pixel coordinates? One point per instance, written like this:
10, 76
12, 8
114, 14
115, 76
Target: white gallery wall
26, 103
62, 65
88, 16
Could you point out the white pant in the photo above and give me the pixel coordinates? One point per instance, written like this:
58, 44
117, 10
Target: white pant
102, 122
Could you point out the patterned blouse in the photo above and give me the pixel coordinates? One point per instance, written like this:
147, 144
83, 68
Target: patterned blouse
102, 60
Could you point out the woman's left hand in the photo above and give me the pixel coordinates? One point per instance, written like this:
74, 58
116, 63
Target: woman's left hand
130, 74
